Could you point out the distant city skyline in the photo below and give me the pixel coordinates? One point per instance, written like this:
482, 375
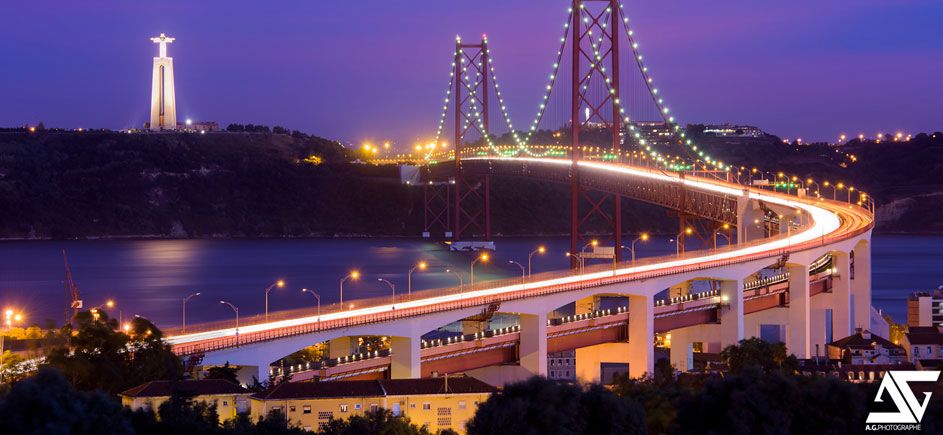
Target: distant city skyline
376, 70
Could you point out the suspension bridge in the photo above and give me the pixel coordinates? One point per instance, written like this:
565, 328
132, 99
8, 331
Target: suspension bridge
602, 128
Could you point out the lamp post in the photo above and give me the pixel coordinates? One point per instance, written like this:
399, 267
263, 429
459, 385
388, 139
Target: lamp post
687, 231
523, 274
461, 281
643, 237
236, 310
482, 258
304, 290
579, 259
278, 284
183, 329
540, 250
355, 275
409, 278
392, 288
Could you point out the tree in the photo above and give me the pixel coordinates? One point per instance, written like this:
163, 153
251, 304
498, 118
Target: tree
96, 356
235, 128
541, 406
47, 403
381, 421
758, 402
225, 372
754, 352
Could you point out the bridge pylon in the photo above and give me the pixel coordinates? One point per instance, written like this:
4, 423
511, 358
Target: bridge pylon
595, 60
471, 208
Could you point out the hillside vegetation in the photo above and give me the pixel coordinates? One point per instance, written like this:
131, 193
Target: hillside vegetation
109, 184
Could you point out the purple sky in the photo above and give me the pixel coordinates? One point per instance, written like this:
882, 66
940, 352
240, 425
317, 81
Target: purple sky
377, 69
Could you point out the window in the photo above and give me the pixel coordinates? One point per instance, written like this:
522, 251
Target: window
444, 422
461, 404
225, 403
325, 415
291, 408
306, 409
412, 406
426, 406
277, 408
444, 412
374, 407
357, 406
344, 408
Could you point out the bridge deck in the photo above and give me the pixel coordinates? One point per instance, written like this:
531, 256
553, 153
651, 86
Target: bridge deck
831, 222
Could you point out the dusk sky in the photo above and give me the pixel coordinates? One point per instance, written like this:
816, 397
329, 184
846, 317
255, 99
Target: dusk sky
377, 69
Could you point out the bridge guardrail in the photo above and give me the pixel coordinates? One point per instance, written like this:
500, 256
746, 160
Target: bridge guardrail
214, 344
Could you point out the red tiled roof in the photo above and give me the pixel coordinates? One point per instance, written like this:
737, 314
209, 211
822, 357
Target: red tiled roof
195, 387
374, 388
857, 340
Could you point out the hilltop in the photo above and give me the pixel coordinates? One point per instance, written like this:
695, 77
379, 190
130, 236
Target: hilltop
92, 184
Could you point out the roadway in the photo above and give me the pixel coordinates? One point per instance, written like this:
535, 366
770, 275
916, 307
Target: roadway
831, 221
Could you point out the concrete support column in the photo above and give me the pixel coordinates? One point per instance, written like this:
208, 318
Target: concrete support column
798, 338
404, 358
641, 335
861, 285
533, 347
341, 346
586, 305
731, 313
680, 290
682, 350
472, 327
841, 296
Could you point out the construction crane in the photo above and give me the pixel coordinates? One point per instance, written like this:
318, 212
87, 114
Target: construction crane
72, 291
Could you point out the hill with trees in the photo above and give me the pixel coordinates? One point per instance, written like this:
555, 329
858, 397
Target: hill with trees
253, 181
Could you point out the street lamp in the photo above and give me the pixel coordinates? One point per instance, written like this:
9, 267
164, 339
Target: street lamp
482, 258
236, 310
304, 290
183, 330
392, 288
461, 281
354, 275
594, 243
10, 317
540, 250
687, 231
278, 284
409, 277
523, 275
579, 259
643, 237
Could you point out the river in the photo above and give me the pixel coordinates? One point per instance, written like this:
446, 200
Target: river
151, 277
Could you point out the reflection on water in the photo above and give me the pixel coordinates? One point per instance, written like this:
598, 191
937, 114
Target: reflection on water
150, 277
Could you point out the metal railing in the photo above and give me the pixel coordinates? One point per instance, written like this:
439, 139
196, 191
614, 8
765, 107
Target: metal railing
854, 222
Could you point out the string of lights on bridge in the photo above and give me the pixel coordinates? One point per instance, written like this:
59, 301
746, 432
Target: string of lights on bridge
522, 144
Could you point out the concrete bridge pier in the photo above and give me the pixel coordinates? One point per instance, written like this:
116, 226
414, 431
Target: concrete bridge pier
841, 295
342, 346
641, 335
405, 358
860, 274
798, 333
533, 344
731, 312
586, 305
